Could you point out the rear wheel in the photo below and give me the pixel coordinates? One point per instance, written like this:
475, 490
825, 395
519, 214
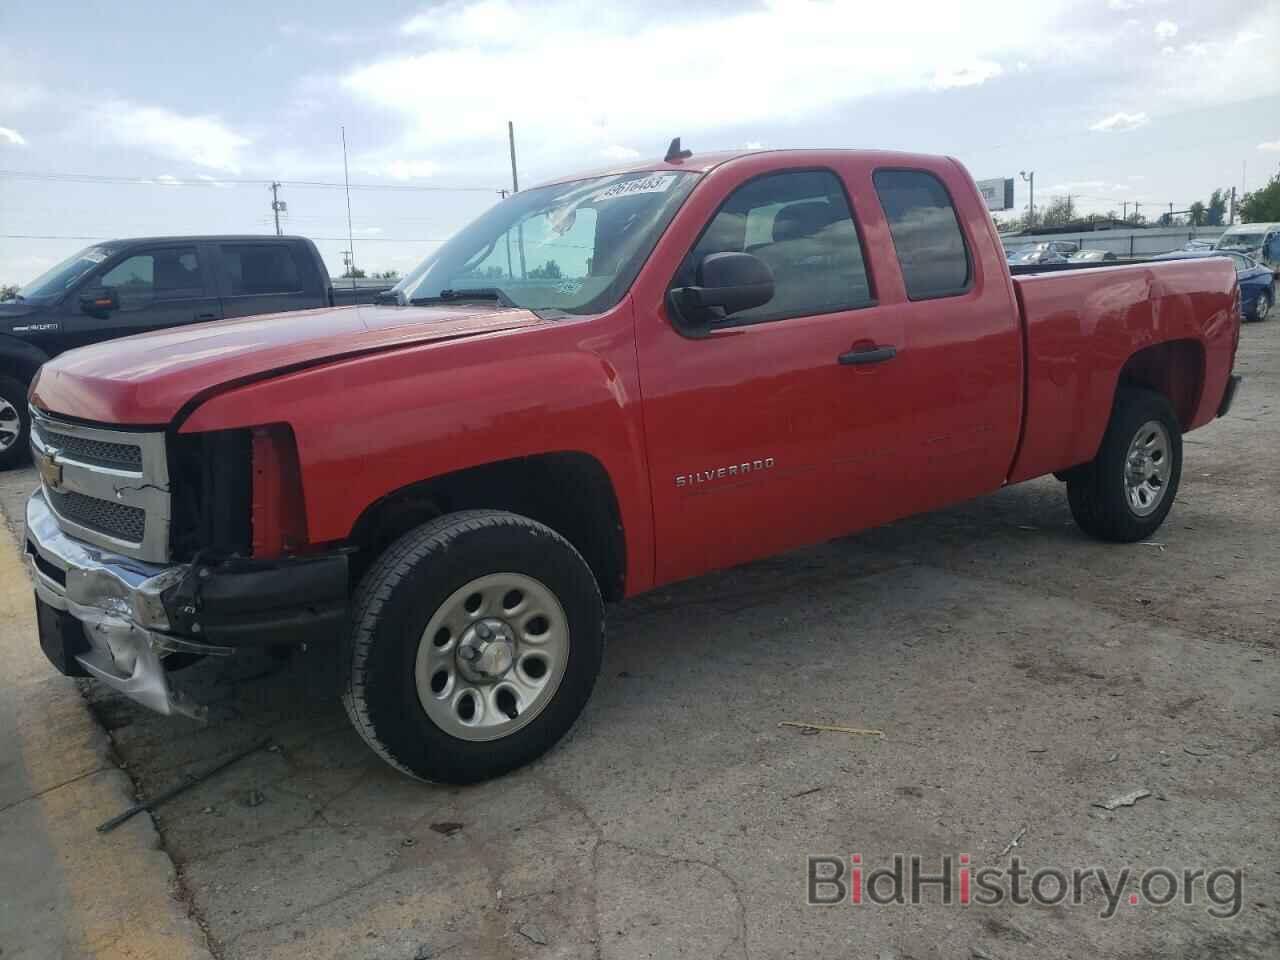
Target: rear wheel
476, 642
1127, 491
1262, 307
15, 423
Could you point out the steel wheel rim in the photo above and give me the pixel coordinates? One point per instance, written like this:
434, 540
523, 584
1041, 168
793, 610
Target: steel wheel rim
1147, 468
517, 666
10, 424
1264, 306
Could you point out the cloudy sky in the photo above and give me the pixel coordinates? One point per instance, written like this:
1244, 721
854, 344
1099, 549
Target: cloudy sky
152, 118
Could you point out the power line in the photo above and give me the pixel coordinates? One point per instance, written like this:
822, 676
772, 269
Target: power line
145, 181
45, 236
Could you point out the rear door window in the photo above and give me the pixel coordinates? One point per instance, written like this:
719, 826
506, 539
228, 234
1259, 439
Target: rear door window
258, 268
926, 233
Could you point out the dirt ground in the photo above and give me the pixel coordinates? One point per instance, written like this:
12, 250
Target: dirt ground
1020, 674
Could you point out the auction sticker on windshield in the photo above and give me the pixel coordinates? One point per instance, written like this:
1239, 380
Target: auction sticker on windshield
658, 183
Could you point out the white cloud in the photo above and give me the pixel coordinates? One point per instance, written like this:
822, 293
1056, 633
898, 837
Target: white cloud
968, 75
618, 152
1270, 146
213, 181
1168, 51
564, 59
168, 180
8, 134
1166, 29
1197, 49
1120, 121
397, 168
1247, 36
204, 141
753, 145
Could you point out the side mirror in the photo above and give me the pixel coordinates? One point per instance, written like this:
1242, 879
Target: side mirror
99, 301
727, 283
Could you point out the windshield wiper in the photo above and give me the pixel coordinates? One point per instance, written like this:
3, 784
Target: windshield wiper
477, 293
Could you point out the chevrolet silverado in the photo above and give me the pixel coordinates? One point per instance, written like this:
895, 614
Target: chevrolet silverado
604, 384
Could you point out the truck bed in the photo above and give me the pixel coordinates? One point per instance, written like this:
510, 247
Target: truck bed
1083, 327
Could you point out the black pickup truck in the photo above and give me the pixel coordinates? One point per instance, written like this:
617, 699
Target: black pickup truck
121, 287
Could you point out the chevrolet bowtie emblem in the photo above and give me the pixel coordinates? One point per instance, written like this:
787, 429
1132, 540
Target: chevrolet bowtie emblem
50, 469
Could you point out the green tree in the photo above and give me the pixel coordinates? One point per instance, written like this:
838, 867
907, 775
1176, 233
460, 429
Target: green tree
387, 275
1197, 214
1060, 212
1261, 206
353, 273
1216, 215
7, 291
548, 271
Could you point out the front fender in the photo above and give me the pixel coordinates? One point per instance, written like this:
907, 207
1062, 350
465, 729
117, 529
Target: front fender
26, 357
371, 425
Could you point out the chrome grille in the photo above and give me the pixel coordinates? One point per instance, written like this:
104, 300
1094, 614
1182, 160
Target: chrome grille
108, 487
119, 456
117, 520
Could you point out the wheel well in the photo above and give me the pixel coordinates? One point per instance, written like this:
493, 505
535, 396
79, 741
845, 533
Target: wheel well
1175, 369
569, 492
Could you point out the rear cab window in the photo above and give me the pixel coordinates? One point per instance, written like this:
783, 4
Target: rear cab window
927, 238
258, 268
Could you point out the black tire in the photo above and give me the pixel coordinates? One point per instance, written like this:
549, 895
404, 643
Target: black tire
401, 592
1262, 306
1096, 491
17, 450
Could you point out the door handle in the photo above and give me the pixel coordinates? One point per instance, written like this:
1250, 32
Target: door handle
856, 358
207, 316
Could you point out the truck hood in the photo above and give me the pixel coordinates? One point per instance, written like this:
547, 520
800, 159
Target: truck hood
148, 379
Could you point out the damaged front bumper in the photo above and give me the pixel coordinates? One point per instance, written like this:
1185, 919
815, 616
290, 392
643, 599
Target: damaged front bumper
116, 619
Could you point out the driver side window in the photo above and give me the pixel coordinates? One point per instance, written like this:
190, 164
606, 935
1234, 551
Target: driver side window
142, 279
800, 225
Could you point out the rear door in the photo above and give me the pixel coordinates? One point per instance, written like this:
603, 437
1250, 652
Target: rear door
768, 432
962, 336
266, 276
165, 285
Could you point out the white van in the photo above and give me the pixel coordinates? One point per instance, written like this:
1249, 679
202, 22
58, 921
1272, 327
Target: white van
1259, 240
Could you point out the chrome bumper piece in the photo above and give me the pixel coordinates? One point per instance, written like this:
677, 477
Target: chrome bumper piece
117, 600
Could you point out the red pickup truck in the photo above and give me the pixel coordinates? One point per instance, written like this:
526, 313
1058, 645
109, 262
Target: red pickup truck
603, 384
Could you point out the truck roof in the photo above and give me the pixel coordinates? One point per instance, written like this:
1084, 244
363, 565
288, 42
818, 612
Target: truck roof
704, 162
196, 238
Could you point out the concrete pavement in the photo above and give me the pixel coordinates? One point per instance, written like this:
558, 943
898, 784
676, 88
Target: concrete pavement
65, 890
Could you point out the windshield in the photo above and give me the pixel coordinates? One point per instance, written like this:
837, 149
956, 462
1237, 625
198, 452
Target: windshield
1240, 241
571, 247
55, 281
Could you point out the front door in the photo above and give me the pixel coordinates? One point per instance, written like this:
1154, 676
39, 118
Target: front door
155, 287
779, 426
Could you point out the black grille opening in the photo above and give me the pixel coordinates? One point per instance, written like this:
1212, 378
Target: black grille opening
120, 456
211, 490
118, 520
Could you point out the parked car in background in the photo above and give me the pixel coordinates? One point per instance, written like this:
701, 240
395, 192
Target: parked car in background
1199, 243
122, 287
1091, 256
1257, 282
440, 493
1258, 240
1038, 254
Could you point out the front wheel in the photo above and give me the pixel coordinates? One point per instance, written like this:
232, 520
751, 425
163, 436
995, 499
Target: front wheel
15, 423
476, 642
1127, 491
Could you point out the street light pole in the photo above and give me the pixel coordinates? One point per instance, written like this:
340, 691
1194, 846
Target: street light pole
1030, 178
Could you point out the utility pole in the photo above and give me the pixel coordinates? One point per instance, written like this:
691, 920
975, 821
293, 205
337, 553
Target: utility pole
1137, 207
278, 206
1171, 213
1031, 179
1231, 220
1124, 210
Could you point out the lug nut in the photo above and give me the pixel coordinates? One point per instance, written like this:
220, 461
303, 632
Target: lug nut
468, 653
484, 631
